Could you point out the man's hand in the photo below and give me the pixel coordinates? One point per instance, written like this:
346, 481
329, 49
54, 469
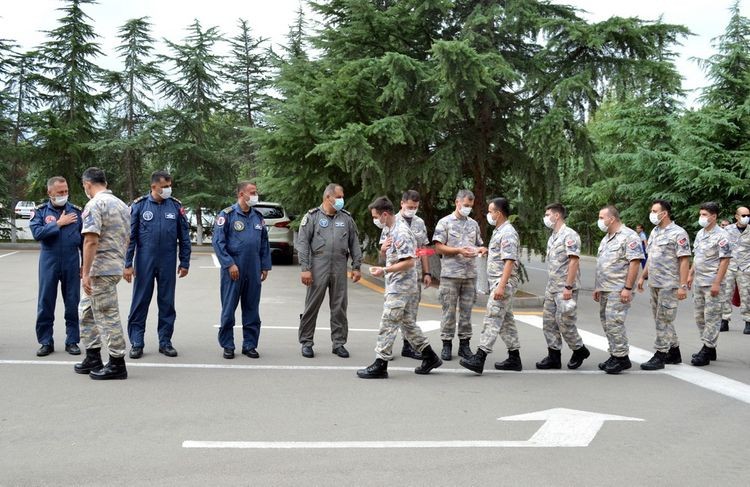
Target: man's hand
482, 250
356, 276
427, 280
626, 296
681, 294
386, 244
66, 219
307, 278
263, 275
499, 293
128, 274
468, 252
234, 272
690, 281
715, 289
377, 271
641, 281
567, 294
181, 272
86, 281
596, 296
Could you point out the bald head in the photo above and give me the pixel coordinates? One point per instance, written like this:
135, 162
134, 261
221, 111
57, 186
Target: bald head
742, 216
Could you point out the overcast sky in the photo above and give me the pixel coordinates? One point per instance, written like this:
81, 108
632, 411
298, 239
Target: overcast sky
25, 20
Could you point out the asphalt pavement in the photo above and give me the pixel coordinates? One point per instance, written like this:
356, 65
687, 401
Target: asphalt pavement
198, 419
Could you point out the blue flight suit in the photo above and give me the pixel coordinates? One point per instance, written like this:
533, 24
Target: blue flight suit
241, 238
59, 261
156, 229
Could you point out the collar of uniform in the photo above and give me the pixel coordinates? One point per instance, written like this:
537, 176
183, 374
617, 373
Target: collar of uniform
323, 210
615, 234
506, 222
560, 230
153, 200
453, 216
240, 211
53, 207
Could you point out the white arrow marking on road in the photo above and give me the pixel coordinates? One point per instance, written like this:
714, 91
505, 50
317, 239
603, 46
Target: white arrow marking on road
562, 428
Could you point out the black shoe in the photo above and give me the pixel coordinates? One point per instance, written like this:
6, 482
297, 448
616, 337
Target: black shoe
551, 361
724, 325
307, 351
378, 370
115, 369
704, 356
45, 350
169, 351
746, 331
618, 365
92, 362
513, 362
447, 350
340, 351
579, 355
137, 352
674, 356
430, 361
711, 352
464, 350
656, 362
228, 353
603, 365
475, 363
408, 351
73, 349
250, 352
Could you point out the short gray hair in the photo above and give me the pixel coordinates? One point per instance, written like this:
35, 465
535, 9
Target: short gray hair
55, 179
331, 189
465, 194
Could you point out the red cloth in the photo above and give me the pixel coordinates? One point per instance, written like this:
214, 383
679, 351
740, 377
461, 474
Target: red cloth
736, 297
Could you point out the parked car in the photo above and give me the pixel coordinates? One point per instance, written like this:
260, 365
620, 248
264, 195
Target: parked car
280, 233
25, 208
207, 221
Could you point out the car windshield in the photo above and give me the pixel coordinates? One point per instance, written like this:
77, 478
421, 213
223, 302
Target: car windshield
270, 211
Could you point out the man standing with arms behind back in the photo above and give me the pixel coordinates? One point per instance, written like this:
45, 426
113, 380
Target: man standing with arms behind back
738, 272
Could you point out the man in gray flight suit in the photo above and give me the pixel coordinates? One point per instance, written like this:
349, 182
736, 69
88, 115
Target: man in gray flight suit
327, 237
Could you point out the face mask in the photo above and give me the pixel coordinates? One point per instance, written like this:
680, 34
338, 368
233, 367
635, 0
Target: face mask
490, 220
602, 226
703, 221
166, 193
409, 213
654, 218
465, 210
338, 204
548, 222
377, 223
86, 192
744, 220
252, 200
59, 200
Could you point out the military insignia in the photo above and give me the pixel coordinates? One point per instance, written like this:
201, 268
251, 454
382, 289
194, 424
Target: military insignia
304, 221
148, 216
50, 219
340, 224
633, 245
570, 242
239, 226
682, 242
324, 223
182, 210
258, 226
85, 213
220, 221
169, 216
506, 243
723, 242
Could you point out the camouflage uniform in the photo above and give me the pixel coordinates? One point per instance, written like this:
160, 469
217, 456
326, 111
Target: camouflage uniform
738, 272
556, 324
107, 216
504, 245
401, 296
419, 230
612, 264
458, 274
709, 248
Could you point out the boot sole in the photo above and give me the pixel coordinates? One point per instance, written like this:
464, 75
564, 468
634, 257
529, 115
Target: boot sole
122, 376
426, 370
549, 367
513, 369
365, 376
86, 371
651, 367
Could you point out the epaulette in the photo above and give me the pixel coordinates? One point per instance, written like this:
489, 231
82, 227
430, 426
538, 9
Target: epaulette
178, 201
312, 210
228, 209
76, 207
139, 199
40, 206
345, 212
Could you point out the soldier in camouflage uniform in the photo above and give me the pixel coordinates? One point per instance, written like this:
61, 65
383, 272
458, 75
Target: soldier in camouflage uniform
739, 270
667, 268
617, 264
106, 233
401, 295
713, 251
561, 293
503, 276
457, 238
408, 213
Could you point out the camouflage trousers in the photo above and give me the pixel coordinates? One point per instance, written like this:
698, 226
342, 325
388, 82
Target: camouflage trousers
742, 280
557, 325
461, 293
499, 320
664, 308
707, 314
413, 305
99, 316
612, 313
399, 313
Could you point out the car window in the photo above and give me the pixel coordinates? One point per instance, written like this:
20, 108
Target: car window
270, 211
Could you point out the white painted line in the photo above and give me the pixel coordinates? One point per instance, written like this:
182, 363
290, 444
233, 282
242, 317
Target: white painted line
217, 264
296, 328
6, 255
429, 325
688, 373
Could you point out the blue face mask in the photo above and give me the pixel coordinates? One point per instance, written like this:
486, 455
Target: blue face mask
339, 204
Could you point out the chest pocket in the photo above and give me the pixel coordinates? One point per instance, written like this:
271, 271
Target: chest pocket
320, 237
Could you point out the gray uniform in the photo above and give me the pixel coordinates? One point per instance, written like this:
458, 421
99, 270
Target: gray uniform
498, 319
738, 272
612, 264
458, 274
556, 324
401, 295
665, 247
324, 245
709, 248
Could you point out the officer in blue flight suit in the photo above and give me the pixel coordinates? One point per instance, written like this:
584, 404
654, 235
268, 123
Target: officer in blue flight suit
240, 240
157, 227
57, 225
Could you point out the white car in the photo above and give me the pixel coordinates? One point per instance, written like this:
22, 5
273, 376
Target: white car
25, 208
280, 233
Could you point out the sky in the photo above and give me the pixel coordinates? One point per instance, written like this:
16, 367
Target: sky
26, 20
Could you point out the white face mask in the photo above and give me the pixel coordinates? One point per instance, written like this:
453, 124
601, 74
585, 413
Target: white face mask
377, 223
409, 213
252, 200
59, 200
490, 220
654, 218
744, 220
465, 210
703, 221
166, 193
548, 222
602, 226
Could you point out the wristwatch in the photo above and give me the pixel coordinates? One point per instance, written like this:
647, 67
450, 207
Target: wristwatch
569, 288
684, 286
426, 274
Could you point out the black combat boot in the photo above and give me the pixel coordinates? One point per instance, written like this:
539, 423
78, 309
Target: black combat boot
430, 361
724, 325
656, 362
606, 363
674, 356
704, 356
464, 350
579, 355
710, 351
513, 362
447, 350
746, 331
92, 361
378, 370
551, 361
475, 363
408, 351
115, 369
618, 364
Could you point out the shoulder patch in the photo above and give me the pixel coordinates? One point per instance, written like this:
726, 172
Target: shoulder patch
723, 242
311, 211
633, 245
570, 242
345, 212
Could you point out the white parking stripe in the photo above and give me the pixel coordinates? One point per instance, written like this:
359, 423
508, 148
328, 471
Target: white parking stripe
216, 261
6, 255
